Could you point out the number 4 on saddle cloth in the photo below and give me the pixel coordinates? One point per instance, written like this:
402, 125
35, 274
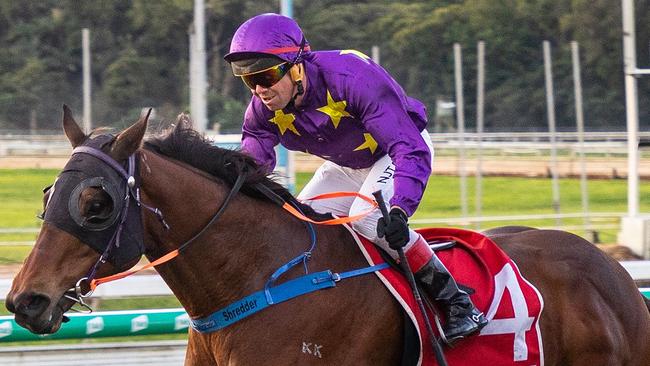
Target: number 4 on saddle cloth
512, 305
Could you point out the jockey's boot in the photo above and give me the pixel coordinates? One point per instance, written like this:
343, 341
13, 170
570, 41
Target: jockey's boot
462, 316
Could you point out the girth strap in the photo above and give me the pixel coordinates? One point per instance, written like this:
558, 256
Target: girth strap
258, 301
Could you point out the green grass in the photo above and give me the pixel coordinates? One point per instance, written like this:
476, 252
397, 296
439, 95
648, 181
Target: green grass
512, 196
509, 196
526, 196
12, 254
21, 195
21, 199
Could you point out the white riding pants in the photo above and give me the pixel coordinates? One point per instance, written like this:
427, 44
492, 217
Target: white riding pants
331, 177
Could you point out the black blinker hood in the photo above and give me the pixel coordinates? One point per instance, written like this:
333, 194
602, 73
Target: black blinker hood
62, 211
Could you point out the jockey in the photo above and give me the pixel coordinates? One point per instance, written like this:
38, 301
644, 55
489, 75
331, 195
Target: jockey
346, 109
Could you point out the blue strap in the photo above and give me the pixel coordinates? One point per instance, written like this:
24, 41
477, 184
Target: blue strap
304, 257
362, 271
251, 304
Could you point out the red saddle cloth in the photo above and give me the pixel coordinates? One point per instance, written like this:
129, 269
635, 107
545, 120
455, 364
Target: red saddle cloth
511, 304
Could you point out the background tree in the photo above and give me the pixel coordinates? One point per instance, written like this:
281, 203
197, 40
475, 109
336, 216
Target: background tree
140, 56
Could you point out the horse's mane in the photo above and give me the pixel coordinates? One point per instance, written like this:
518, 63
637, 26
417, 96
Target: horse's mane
185, 144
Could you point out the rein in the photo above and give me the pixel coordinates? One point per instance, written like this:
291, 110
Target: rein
174, 253
336, 221
78, 295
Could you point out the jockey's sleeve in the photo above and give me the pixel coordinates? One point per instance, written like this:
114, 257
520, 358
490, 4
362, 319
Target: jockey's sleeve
258, 140
381, 105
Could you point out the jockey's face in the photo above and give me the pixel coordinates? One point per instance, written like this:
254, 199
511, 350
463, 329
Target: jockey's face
277, 96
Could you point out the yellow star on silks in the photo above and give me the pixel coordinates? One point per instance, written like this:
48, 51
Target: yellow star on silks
336, 110
284, 122
369, 144
359, 54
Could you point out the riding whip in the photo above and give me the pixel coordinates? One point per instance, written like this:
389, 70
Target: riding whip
440, 357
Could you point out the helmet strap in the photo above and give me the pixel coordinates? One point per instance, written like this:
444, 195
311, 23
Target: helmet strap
299, 92
301, 49
296, 73
301, 89
296, 76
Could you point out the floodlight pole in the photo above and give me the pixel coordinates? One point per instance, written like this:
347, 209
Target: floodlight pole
550, 108
198, 69
285, 155
634, 228
631, 106
374, 51
460, 124
286, 8
87, 101
580, 128
480, 115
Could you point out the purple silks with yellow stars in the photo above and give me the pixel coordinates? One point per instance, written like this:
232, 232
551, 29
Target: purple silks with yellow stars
352, 113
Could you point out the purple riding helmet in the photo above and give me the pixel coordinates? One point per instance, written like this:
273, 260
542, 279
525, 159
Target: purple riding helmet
271, 36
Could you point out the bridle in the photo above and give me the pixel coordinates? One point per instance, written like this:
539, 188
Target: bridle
78, 294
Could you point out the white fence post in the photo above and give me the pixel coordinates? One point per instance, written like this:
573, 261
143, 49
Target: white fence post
460, 122
550, 108
480, 110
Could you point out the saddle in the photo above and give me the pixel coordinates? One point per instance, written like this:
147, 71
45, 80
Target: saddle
511, 303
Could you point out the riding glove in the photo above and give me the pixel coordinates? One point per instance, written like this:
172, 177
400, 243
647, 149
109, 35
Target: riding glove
396, 231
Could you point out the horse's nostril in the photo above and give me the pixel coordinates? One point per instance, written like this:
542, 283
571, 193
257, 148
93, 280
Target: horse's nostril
31, 305
10, 305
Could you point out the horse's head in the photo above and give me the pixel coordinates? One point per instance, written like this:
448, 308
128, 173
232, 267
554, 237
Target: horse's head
92, 225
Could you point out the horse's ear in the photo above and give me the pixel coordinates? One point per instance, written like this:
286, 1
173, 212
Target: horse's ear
72, 130
128, 141
183, 121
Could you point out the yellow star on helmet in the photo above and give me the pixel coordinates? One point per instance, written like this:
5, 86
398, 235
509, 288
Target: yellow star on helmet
284, 122
369, 143
336, 110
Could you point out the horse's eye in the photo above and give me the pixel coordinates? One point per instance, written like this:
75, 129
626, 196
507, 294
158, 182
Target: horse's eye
98, 207
95, 208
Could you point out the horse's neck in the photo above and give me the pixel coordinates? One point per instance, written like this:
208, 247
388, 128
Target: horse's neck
239, 252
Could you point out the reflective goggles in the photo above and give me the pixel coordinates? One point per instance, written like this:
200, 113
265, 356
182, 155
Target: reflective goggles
267, 77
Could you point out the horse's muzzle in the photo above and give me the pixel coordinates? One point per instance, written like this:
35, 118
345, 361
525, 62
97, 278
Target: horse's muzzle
35, 312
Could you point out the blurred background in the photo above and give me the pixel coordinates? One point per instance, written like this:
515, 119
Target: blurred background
139, 55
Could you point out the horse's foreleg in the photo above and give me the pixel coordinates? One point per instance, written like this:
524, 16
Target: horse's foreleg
198, 352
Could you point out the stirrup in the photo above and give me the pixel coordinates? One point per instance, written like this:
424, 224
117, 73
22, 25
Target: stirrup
443, 336
474, 317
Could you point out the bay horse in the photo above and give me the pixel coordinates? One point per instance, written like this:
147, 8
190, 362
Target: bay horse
593, 313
